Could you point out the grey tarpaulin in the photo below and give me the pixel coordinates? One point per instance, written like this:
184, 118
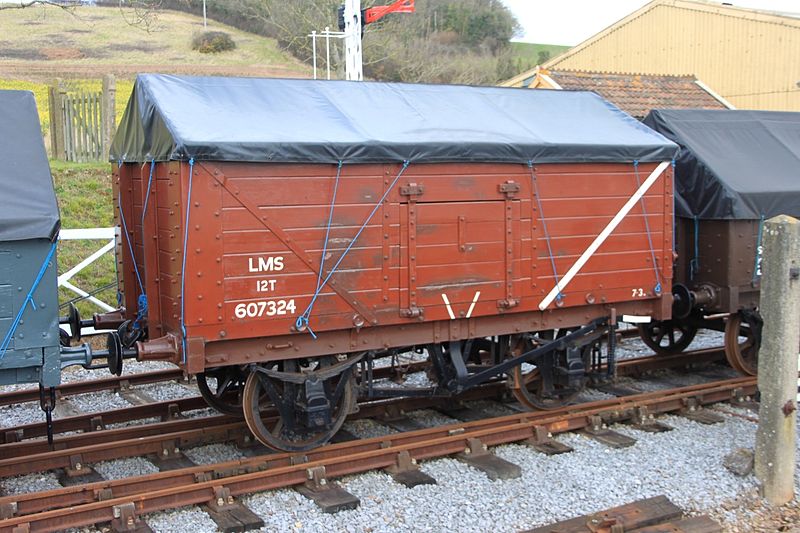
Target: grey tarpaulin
28, 208
308, 121
733, 164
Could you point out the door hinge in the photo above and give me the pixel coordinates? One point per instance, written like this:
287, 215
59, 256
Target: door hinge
509, 188
412, 189
411, 312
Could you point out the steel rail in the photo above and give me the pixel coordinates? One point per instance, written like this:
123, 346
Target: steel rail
96, 385
164, 410
97, 421
102, 501
125, 381
26, 457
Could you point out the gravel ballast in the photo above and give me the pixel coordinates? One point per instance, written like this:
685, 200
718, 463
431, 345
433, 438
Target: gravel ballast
684, 464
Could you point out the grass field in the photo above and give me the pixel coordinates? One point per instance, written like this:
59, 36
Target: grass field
105, 35
81, 44
527, 54
85, 201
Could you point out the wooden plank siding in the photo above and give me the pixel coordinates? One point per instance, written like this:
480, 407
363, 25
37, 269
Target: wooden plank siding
751, 58
257, 232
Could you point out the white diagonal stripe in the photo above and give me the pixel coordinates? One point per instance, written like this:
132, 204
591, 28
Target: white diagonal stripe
474, 301
449, 309
563, 282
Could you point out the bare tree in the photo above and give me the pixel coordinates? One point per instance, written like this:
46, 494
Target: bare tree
142, 14
31, 3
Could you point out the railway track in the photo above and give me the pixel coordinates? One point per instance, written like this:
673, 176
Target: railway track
114, 383
15, 441
219, 484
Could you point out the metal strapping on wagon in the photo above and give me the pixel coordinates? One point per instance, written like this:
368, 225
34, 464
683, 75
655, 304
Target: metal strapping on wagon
600, 239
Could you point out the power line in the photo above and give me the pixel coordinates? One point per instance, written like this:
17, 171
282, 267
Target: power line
761, 93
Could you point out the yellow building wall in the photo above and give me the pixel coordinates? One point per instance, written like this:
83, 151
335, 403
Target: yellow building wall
750, 59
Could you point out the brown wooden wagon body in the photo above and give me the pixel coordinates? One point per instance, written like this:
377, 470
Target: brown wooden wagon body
281, 236
454, 251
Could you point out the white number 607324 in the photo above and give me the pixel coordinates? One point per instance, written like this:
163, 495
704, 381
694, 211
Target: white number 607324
264, 308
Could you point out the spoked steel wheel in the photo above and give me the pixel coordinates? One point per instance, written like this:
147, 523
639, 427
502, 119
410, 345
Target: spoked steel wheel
743, 341
544, 386
222, 389
667, 337
310, 411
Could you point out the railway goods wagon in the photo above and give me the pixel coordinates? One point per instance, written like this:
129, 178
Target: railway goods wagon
735, 169
29, 224
33, 349
283, 237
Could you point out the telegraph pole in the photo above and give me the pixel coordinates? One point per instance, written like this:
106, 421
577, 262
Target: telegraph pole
354, 69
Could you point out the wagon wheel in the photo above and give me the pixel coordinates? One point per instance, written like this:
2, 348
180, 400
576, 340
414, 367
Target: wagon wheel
542, 387
306, 419
225, 394
743, 340
667, 337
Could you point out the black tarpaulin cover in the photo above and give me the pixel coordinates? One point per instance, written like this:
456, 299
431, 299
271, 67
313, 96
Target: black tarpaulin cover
733, 164
28, 208
308, 121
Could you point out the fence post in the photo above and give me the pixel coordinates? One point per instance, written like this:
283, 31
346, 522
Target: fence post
56, 100
109, 112
777, 361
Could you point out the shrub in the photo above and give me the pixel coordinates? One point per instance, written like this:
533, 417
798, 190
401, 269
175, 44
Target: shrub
212, 42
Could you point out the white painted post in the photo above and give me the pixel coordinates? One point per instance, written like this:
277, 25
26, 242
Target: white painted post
314, 50
352, 41
205, 21
777, 361
328, 50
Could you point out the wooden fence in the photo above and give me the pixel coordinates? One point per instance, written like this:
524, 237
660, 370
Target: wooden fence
81, 124
82, 134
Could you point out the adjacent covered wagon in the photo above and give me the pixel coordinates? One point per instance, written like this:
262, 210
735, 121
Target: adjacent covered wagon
735, 169
281, 236
29, 224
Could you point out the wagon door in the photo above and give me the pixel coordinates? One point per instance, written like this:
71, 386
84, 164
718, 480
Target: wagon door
460, 248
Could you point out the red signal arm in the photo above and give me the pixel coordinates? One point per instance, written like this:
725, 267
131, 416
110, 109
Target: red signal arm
374, 14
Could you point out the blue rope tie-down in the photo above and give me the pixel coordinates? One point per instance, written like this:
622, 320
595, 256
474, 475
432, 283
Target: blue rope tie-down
183, 260
302, 322
147, 195
757, 265
657, 288
28, 300
535, 183
141, 304
694, 264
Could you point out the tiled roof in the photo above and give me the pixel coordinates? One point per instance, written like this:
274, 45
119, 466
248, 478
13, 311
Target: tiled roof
637, 94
